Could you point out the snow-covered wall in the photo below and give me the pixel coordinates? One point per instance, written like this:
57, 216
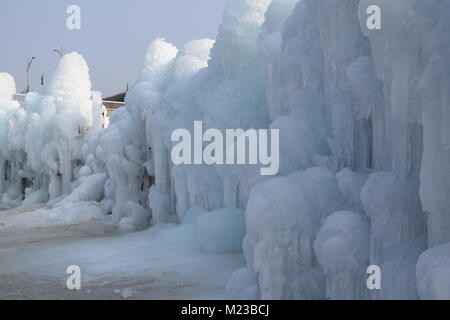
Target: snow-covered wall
384, 95
364, 120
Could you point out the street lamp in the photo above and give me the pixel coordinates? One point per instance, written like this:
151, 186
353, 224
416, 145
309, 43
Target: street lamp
29, 62
60, 51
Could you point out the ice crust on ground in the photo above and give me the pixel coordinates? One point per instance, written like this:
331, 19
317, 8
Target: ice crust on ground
158, 263
58, 216
364, 145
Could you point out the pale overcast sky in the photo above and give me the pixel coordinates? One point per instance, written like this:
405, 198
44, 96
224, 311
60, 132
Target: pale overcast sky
113, 38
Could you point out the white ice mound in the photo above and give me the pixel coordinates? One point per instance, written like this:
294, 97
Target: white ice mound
243, 285
342, 248
433, 273
283, 217
71, 82
7, 87
192, 57
159, 55
220, 231
42, 139
343, 242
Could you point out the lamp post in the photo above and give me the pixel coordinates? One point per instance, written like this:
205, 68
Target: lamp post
42, 84
29, 62
60, 51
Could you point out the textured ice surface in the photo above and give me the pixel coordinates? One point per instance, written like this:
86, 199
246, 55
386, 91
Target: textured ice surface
42, 141
342, 248
7, 88
58, 216
243, 285
433, 273
283, 217
160, 263
220, 231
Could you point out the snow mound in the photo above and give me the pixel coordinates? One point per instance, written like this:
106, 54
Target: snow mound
61, 215
220, 231
7, 87
433, 273
283, 216
243, 285
343, 249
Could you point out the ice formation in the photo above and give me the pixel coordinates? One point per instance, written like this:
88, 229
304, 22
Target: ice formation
42, 140
341, 247
364, 118
433, 273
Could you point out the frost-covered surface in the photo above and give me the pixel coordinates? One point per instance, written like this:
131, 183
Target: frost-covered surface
243, 285
159, 263
364, 146
342, 248
220, 231
59, 216
433, 273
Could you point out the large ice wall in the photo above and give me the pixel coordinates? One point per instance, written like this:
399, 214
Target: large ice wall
374, 103
364, 118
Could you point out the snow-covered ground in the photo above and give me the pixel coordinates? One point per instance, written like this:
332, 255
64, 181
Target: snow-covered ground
159, 263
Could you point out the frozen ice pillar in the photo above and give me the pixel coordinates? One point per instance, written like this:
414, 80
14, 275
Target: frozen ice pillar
7, 88
7, 106
70, 90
